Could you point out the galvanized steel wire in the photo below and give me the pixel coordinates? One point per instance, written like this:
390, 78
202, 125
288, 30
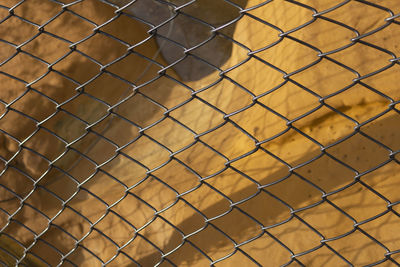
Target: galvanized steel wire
178, 10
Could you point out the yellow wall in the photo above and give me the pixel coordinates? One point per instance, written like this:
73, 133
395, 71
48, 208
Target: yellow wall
244, 178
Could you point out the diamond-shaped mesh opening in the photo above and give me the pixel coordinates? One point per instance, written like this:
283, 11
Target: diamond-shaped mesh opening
199, 133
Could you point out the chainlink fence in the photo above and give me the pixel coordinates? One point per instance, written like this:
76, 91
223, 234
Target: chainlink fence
196, 133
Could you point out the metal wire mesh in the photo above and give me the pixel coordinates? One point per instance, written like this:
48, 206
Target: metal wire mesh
174, 133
